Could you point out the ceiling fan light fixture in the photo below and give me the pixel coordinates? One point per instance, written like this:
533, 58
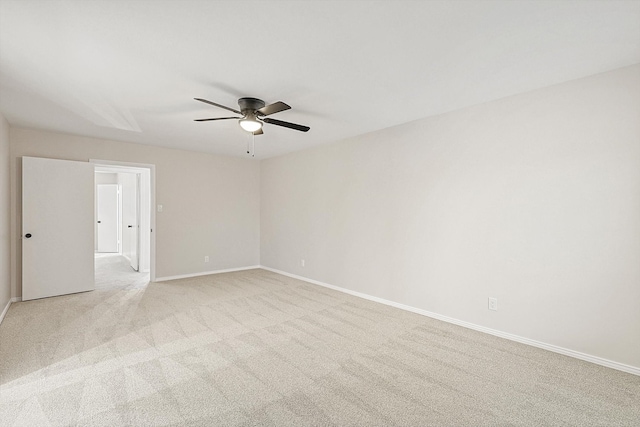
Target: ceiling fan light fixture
254, 112
250, 123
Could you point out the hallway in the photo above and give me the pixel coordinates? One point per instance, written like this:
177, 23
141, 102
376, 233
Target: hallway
114, 271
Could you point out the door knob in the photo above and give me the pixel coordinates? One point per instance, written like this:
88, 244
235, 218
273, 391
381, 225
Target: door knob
28, 235
129, 226
99, 222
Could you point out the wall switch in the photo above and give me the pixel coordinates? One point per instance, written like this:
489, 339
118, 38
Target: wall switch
302, 262
159, 208
206, 258
493, 304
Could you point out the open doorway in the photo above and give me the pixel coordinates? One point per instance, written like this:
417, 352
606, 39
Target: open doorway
124, 244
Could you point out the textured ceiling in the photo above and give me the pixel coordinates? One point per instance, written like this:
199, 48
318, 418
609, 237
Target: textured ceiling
129, 70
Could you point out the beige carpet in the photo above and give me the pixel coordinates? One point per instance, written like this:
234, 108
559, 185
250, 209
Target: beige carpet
255, 348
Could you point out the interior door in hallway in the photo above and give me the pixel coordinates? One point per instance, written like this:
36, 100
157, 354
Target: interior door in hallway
107, 217
130, 218
57, 227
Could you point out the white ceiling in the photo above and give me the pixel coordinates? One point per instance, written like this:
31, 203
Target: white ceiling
129, 70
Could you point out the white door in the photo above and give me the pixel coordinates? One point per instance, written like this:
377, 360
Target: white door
107, 221
135, 249
57, 227
130, 218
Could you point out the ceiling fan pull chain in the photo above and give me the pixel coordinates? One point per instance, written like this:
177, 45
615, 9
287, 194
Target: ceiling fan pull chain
253, 145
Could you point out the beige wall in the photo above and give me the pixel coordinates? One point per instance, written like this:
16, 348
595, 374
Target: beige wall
533, 199
211, 203
106, 178
5, 257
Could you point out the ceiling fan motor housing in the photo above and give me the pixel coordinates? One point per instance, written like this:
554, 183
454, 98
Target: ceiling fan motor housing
250, 104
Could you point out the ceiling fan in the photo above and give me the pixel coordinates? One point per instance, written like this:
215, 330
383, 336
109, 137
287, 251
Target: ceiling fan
254, 114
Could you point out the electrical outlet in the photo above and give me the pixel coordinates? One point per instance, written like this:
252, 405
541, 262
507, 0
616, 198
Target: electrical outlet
493, 304
302, 262
206, 258
159, 208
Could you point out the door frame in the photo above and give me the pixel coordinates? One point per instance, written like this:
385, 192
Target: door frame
128, 167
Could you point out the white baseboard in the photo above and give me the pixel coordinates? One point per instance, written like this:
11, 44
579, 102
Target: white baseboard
6, 308
205, 273
550, 347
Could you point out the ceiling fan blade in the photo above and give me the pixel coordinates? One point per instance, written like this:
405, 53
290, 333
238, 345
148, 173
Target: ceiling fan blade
217, 105
216, 118
301, 128
258, 132
276, 107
